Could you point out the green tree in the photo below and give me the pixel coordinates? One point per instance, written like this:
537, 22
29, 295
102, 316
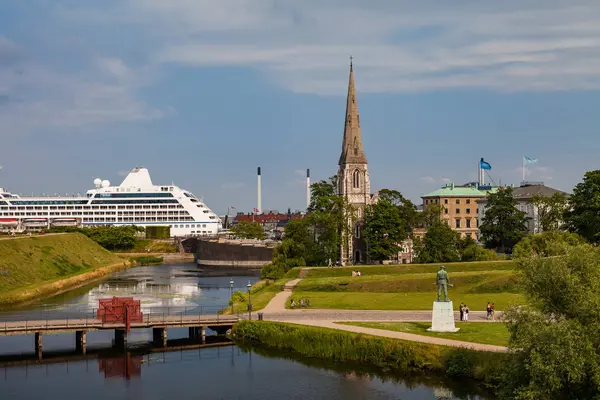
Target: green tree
583, 217
554, 340
546, 244
551, 210
503, 224
429, 216
440, 244
386, 224
248, 230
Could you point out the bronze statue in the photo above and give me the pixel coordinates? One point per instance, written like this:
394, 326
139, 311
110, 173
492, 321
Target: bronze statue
442, 281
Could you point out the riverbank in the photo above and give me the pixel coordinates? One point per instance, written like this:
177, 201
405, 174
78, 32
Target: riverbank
41, 266
393, 354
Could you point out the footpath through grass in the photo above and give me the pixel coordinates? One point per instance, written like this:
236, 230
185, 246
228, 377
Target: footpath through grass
410, 286
261, 294
494, 333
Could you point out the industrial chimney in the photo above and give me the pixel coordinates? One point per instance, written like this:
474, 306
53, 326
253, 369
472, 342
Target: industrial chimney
259, 202
307, 188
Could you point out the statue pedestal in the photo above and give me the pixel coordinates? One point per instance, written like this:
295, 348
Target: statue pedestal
442, 319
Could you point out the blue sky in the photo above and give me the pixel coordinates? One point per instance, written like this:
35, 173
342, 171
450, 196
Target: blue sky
202, 92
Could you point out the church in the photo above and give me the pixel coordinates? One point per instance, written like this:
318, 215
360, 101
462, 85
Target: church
353, 179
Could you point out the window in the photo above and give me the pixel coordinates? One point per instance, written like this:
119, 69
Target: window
468, 211
458, 211
357, 233
445, 201
445, 211
468, 222
468, 201
457, 201
356, 179
457, 223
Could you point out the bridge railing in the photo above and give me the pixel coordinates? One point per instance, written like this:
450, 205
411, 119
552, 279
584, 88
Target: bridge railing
88, 317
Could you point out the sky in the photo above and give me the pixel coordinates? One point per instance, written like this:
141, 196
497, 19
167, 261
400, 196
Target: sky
202, 92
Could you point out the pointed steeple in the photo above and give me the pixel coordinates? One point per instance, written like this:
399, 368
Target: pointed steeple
352, 146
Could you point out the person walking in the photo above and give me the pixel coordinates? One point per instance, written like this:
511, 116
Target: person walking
462, 311
493, 310
466, 313
489, 310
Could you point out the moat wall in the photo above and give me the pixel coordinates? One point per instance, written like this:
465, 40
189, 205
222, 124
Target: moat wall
233, 253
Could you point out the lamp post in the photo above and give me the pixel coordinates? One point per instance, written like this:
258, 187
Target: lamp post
231, 294
249, 302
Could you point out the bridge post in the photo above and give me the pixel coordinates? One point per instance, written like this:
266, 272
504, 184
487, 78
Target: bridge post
38, 345
120, 337
203, 333
81, 341
159, 336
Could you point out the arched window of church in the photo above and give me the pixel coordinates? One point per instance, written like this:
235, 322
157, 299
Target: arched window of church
357, 233
355, 147
357, 119
356, 179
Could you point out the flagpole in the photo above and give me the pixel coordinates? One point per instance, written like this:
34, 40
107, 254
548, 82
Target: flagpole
523, 161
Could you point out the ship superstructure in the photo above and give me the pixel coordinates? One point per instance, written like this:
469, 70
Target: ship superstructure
136, 201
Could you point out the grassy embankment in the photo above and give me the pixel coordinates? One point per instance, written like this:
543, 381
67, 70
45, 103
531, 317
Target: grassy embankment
38, 266
410, 286
260, 293
152, 247
476, 332
397, 355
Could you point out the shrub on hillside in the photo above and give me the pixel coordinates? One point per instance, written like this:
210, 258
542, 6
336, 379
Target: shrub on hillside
546, 244
109, 237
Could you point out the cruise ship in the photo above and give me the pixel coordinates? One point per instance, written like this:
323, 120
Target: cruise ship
136, 201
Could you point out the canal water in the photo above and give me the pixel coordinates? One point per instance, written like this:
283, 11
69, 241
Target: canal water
186, 369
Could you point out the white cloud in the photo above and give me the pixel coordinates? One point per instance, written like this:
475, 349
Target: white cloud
398, 46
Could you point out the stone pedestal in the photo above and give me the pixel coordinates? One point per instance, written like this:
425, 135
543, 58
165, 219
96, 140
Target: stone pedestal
442, 319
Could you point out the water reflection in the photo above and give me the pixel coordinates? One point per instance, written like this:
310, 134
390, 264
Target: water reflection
217, 373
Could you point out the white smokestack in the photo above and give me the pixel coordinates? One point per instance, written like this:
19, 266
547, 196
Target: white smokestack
259, 202
307, 188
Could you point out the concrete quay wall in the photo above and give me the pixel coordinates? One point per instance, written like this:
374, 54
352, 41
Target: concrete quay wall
232, 253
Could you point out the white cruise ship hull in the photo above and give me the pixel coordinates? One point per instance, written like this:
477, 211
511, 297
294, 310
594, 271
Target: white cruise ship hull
136, 201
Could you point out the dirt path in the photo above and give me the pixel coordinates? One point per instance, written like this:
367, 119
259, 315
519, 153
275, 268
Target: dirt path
402, 335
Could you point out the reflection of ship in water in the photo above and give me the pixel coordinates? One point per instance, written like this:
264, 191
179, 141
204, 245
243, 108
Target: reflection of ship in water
125, 367
150, 293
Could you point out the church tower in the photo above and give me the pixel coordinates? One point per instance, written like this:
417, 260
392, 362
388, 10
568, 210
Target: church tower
353, 177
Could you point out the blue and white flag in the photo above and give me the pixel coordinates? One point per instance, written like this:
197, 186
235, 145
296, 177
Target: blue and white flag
529, 161
485, 165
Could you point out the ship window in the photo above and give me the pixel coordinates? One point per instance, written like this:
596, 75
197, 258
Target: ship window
204, 225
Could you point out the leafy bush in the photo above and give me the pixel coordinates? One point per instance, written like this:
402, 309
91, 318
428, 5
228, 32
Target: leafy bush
109, 237
546, 244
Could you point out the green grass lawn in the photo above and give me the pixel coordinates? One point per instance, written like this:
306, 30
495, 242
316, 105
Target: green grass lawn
476, 332
405, 301
410, 286
322, 272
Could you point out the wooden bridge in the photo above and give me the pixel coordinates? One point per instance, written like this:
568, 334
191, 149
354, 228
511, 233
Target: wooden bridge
196, 322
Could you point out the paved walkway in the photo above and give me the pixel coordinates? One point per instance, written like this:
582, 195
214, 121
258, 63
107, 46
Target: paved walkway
327, 318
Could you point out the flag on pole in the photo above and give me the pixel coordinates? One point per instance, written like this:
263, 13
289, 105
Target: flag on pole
529, 161
233, 208
256, 210
485, 165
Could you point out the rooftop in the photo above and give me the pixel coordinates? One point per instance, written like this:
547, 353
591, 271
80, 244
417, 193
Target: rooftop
451, 190
527, 191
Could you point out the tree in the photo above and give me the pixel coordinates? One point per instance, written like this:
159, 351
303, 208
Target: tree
546, 244
554, 340
503, 224
428, 217
387, 224
551, 210
583, 217
471, 251
440, 244
248, 230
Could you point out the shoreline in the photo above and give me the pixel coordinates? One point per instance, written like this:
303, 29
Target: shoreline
398, 355
27, 294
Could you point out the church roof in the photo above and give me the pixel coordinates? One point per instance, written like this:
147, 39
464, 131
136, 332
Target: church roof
352, 146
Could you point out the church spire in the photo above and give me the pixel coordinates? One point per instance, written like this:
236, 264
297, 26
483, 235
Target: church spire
352, 147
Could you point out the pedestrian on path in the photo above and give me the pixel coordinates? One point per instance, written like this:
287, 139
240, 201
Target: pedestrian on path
462, 311
466, 313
